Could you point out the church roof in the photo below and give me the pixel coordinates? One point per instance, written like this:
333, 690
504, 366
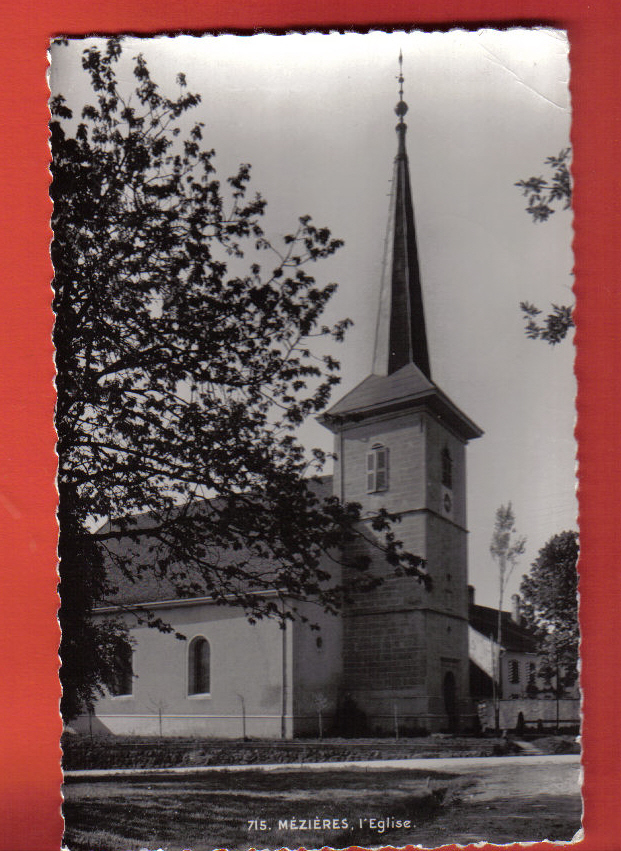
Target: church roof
151, 585
406, 388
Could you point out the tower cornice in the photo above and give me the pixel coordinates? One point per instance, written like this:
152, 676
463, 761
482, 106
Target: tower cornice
406, 390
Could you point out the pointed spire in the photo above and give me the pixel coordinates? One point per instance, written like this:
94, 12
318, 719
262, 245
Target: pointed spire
400, 335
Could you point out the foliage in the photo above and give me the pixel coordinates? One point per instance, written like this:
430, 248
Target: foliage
184, 360
555, 327
550, 608
543, 197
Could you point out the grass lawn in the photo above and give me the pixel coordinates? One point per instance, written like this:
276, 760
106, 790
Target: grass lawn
224, 809
217, 810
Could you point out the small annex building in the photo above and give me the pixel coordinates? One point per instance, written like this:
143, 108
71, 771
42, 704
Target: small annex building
397, 655
523, 698
517, 677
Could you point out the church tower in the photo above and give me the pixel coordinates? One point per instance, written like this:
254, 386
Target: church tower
400, 444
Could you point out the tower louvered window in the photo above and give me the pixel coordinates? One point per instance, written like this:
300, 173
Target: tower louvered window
447, 468
377, 469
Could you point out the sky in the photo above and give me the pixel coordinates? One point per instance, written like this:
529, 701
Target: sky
314, 116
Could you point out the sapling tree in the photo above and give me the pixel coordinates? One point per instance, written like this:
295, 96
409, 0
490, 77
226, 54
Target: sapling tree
505, 548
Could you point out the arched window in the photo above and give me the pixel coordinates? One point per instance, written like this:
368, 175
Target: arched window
447, 468
514, 671
377, 469
123, 677
199, 665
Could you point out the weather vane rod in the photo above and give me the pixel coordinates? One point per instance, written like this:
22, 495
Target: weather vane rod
402, 107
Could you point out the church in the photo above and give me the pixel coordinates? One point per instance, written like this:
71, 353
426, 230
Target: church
394, 659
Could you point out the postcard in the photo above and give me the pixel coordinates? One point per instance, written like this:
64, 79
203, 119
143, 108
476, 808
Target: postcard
298, 279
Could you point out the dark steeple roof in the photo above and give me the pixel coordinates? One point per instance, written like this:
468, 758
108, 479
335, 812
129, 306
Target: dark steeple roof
401, 336
401, 377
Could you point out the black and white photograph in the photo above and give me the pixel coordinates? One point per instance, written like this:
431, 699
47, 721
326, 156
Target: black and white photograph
318, 532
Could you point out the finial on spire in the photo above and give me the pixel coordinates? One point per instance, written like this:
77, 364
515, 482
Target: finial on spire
402, 107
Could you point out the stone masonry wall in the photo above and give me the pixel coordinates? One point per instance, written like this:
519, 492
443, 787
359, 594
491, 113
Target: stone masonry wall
384, 652
400, 640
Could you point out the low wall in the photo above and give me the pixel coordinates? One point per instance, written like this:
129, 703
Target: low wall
212, 726
226, 727
537, 713
399, 724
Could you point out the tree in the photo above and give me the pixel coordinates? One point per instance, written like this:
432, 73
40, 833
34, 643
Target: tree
550, 598
505, 547
544, 196
185, 365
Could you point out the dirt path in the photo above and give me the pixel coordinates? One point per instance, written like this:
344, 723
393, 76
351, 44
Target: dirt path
417, 763
524, 780
517, 802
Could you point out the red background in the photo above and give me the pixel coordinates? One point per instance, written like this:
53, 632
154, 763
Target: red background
29, 723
